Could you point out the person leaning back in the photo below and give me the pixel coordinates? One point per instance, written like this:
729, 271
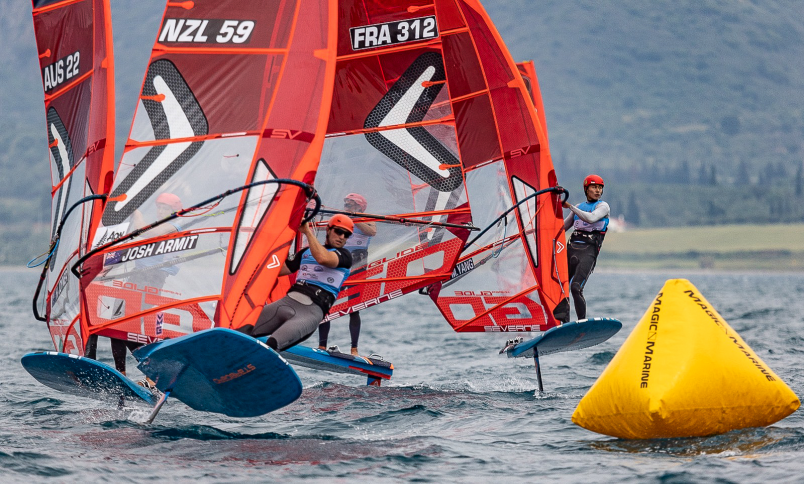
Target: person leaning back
321, 269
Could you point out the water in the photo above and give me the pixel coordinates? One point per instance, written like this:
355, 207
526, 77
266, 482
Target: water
454, 411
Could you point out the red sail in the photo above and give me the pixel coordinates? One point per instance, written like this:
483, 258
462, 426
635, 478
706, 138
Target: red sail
513, 277
393, 150
528, 72
74, 41
235, 93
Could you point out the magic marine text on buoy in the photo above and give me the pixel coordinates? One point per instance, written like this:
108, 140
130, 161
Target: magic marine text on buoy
683, 372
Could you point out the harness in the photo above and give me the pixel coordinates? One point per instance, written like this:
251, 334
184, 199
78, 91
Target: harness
585, 233
594, 237
320, 296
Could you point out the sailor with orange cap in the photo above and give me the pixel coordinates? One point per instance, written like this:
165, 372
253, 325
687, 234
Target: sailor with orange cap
321, 269
358, 246
590, 221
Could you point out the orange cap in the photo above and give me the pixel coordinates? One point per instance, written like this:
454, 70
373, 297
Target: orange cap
342, 221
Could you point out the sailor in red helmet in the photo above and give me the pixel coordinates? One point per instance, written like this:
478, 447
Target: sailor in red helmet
321, 271
358, 246
590, 221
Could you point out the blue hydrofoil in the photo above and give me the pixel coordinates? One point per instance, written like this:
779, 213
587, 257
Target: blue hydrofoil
375, 368
566, 337
84, 377
220, 370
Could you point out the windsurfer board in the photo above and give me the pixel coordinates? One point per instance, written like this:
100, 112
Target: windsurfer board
330, 360
221, 370
84, 377
567, 337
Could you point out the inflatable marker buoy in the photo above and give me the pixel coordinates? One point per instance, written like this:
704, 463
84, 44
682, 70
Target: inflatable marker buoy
683, 372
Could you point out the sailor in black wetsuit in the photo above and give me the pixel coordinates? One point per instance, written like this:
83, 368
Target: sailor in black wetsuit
322, 269
590, 221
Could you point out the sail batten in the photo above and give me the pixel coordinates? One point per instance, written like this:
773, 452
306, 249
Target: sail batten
74, 41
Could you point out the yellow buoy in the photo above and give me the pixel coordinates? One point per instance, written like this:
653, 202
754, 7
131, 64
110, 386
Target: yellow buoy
683, 372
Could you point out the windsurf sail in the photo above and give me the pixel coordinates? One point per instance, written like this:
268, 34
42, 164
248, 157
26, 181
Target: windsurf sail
513, 276
74, 41
527, 70
402, 124
235, 102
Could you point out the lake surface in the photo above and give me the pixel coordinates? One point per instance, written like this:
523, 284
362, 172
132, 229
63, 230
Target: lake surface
455, 410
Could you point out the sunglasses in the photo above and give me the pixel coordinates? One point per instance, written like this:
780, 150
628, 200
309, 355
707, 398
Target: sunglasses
342, 233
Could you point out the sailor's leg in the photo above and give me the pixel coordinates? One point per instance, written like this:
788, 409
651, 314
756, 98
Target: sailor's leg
273, 316
91, 350
119, 354
298, 328
585, 265
354, 330
573, 258
323, 334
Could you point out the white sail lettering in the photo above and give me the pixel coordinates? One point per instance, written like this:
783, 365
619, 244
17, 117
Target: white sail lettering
192, 24
59, 71
149, 249
371, 36
385, 35
48, 78
199, 36
171, 30
359, 38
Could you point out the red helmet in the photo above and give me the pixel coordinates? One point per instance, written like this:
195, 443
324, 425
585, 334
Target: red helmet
359, 199
170, 200
592, 180
342, 221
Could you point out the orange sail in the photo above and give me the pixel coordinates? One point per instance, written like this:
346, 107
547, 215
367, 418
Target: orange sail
528, 72
513, 277
74, 41
236, 95
412, 110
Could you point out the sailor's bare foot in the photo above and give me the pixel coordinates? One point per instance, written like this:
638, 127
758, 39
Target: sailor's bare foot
322, 348
354, 352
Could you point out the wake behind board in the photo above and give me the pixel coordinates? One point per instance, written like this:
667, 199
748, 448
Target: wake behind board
84, 377
337, 362
567, 337
220, 370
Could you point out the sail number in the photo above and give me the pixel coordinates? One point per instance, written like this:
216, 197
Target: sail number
206, 31
391, 33
61, 71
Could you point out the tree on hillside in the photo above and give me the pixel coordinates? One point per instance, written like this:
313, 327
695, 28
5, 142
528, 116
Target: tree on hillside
799, 181
632, 210
702, 175
742, 178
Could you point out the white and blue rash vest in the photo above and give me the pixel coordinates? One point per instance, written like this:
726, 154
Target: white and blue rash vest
586, 232
319, 282
358, 241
